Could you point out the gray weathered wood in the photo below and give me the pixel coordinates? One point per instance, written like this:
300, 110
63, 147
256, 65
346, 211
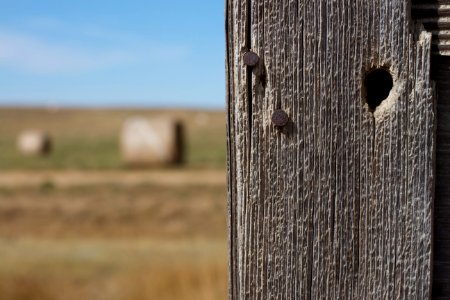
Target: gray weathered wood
435, 17
337, 205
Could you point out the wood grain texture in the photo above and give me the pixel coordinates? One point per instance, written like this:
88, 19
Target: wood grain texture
338, 205
434, 15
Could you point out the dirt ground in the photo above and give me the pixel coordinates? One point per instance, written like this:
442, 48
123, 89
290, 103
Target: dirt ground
67, 178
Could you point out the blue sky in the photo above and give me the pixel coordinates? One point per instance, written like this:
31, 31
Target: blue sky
112, 53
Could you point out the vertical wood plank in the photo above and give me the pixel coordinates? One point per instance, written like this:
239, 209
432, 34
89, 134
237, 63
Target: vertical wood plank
434, 15
338, 204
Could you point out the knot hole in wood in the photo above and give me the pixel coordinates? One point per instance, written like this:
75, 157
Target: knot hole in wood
378, 85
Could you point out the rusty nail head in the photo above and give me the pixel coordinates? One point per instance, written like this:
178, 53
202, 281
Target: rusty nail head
251, 59
280, 118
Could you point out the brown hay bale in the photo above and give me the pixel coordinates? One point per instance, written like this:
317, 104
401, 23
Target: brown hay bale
34, 143
151, 142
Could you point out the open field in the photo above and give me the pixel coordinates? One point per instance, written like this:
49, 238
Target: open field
78, 225
88, 139
81, 268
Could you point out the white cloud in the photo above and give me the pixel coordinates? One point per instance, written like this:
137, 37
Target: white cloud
32, 53
27, 53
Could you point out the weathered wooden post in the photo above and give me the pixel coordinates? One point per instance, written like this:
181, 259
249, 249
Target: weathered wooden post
435, 17
331, 142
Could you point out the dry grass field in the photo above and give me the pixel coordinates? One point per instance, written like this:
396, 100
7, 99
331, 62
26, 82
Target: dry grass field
79, 225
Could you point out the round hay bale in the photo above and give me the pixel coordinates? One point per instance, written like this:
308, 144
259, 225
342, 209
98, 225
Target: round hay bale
151, 142
34, 143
